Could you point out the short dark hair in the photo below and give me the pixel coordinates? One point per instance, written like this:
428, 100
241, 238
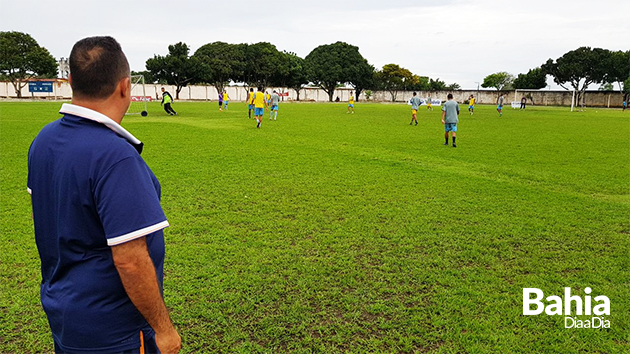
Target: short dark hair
414, 93
450, 96
97, 64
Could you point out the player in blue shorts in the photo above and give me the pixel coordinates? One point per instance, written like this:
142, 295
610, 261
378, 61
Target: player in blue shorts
500, 106
350, 104
274, 101
250, 102
259, 105
450, 118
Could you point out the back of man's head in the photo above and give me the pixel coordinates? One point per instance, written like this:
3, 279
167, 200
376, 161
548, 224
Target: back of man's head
450, 96
97, 64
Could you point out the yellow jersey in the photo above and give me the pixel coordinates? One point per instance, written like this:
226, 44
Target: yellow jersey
250, 97
472, 102
259, 100
225, 96
351, 100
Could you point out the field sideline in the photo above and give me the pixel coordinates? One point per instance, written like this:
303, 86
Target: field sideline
332, 232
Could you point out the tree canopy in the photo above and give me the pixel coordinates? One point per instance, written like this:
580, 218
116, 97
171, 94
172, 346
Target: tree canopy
332, 64
617, 67
220, 63
578, 68
393, 78
296, 75
361, 75
535, 79
176, 68
21, 59
499, 80
262, 64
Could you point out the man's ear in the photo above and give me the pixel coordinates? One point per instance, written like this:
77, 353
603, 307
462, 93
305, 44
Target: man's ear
124, 87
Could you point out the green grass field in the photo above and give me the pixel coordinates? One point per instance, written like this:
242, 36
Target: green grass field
327, 232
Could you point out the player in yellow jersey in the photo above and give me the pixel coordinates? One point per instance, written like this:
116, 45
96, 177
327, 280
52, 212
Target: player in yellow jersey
429, 107
260, 104
471, 105
350, 104
226, 99
250, 102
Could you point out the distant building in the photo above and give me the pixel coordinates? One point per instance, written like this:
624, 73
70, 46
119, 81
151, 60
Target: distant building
64, 68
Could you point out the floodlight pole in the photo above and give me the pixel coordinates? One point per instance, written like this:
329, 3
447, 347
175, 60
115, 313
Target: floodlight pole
478, 98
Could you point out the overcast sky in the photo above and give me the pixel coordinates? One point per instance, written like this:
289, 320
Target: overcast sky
453, 40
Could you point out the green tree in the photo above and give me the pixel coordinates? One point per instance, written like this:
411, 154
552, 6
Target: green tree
296, 75
578, 68
360, 75
437, 85
618, 68
606, 86
176, 68
418, 83
263, 63
21, 59
453, 87
393, 78
220, 63
330, 65
498, 81
535, 79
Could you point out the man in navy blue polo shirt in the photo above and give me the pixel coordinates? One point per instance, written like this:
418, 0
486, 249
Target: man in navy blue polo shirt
97, 216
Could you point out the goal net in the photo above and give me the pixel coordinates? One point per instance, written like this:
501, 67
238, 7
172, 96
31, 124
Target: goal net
139, 96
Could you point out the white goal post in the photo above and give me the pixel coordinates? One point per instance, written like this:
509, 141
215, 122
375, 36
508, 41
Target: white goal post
139, 97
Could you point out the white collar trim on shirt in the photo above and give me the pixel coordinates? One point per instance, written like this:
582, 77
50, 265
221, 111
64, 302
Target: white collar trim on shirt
87, 113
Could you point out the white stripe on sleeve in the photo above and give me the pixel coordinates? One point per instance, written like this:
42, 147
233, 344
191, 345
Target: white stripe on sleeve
137, 234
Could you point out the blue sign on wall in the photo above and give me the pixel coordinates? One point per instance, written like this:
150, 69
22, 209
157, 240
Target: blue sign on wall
40, 86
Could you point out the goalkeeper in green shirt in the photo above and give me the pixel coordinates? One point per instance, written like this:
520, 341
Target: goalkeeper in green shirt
166, 101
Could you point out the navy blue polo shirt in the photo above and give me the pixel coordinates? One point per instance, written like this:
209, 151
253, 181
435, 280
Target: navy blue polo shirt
90, 191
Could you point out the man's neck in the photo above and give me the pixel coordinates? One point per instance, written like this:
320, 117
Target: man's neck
103, 107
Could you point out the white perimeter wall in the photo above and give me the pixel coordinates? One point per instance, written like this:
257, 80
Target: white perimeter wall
62, 90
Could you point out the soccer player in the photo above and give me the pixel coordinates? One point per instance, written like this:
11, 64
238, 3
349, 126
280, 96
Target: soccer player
260, 104
226, 99
523, 102
471, 105
166, 101
220, 101
625, 105
500, 106
275, 100
429, 107
250, 102
450, 118
350, 104
415, 105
